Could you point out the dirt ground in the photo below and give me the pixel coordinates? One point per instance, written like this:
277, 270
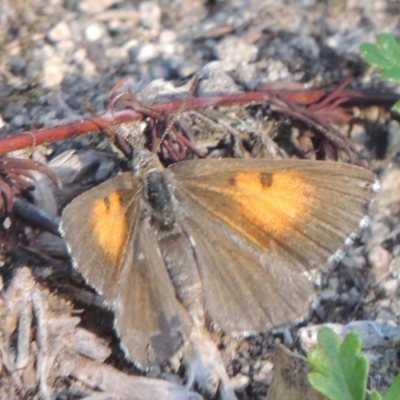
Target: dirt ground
57, 341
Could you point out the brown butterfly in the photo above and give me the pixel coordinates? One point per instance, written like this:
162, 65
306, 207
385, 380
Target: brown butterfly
229, 243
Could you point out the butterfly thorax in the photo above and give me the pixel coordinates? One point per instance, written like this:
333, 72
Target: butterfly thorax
144, 161
156, 191
159, 197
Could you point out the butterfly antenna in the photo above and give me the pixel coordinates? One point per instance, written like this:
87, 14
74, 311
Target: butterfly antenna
182, 109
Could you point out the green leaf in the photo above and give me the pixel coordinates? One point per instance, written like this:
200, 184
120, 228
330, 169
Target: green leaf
373, 56
392, 74
394, 391
389, 47
339, 371
396, 107
354, 366
375, 396
385, 56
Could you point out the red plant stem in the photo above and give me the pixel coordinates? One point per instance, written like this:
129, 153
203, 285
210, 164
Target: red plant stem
70, 130
61, 132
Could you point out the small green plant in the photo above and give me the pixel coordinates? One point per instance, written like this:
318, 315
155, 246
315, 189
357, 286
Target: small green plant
340, 372
384, 56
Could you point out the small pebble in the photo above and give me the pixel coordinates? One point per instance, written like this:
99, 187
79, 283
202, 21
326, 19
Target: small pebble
17, 66
147, 52
19, 121
394, 265
390, 287
13, 108
150, 14
95, 6
95, 32
329, 294
154, 372
167, 36
378, 258
53, 72
379, 229
333, 283
265, 374
216, 80
232, 51
59, 32
240, 382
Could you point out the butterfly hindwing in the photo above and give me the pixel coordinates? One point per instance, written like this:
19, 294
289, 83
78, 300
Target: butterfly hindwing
152, 323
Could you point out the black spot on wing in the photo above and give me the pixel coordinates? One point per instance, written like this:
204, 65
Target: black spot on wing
265, 179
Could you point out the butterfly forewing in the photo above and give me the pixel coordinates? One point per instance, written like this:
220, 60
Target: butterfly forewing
98, 237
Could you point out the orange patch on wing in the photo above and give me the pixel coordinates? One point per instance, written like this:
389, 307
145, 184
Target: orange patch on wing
274, 202
109, 225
